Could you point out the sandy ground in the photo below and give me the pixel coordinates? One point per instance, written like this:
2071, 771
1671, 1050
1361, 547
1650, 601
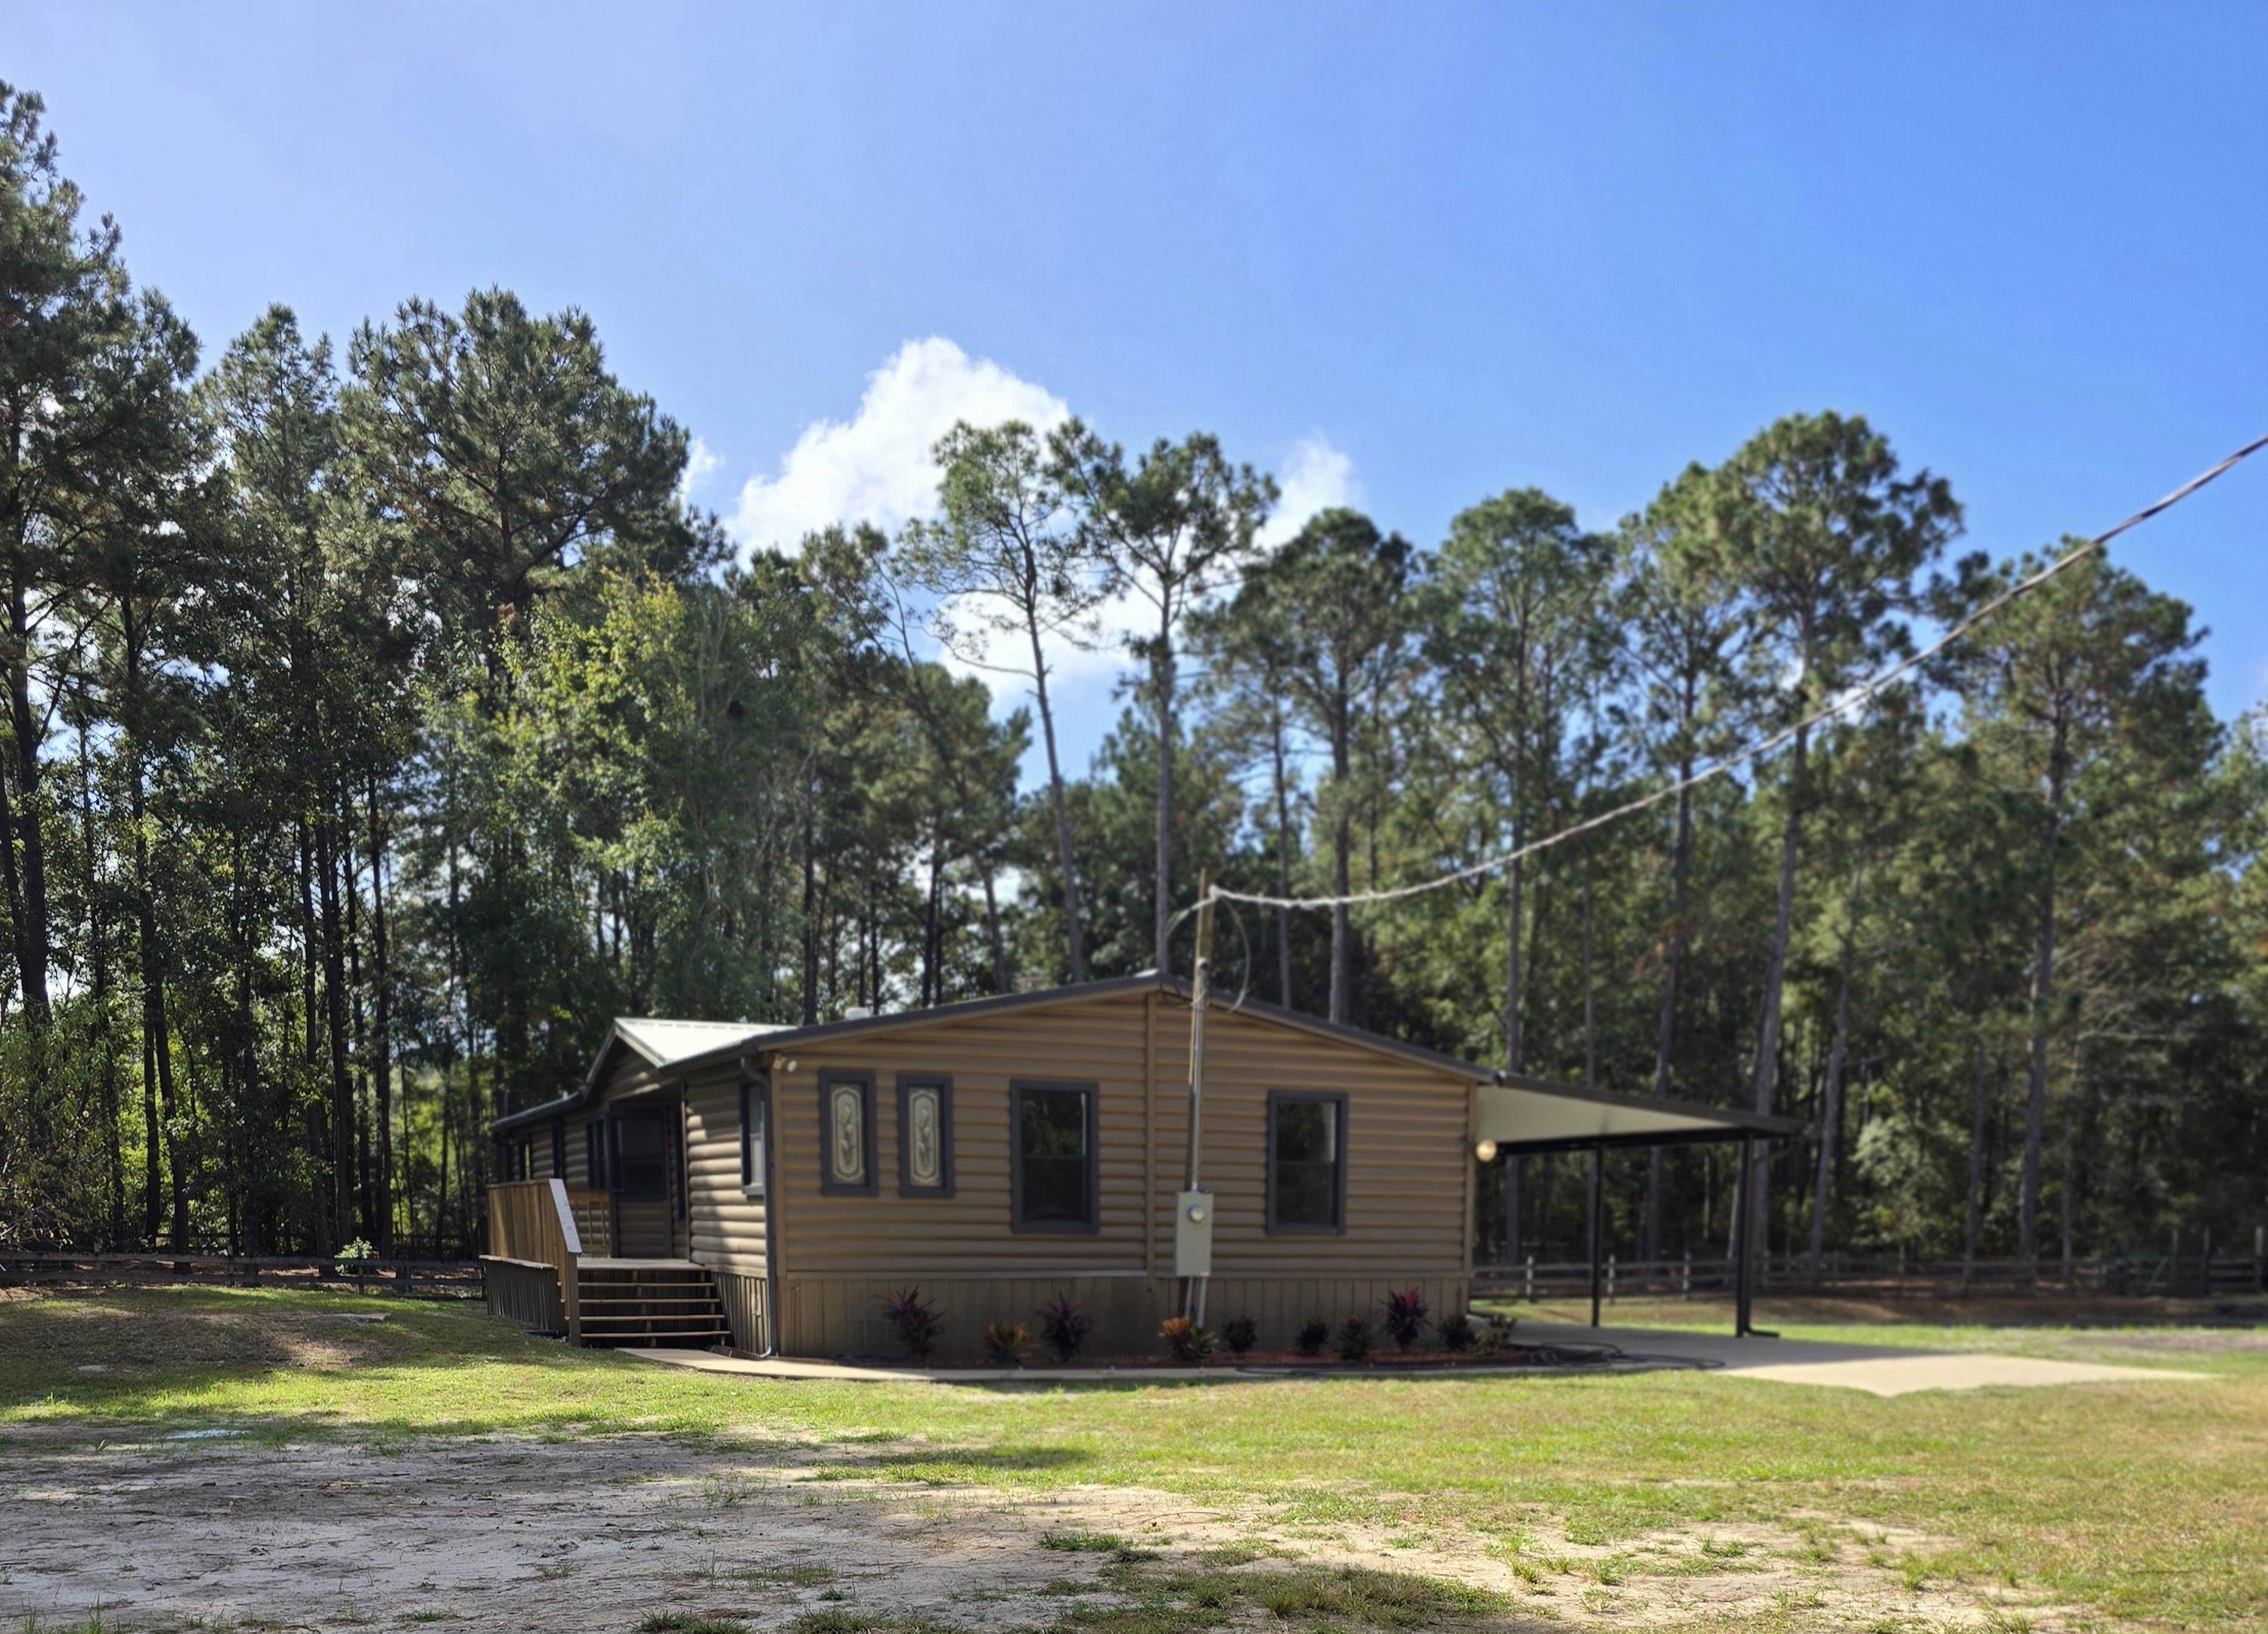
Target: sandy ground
602, 1534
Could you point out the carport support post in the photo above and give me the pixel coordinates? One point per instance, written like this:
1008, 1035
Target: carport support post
1741, 1239
1598, 1164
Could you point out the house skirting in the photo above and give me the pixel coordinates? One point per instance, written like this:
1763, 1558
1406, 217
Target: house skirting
744, 1299
828, 1316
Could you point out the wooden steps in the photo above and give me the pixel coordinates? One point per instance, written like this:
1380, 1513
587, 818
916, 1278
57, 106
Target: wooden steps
630, 1303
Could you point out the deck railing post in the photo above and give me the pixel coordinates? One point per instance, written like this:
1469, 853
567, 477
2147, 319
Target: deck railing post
569, 1257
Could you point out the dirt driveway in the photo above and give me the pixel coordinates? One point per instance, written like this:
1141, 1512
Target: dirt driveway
575, 1536
612, 1534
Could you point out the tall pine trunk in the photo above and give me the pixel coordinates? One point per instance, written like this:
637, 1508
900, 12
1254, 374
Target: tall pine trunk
10, 876
32, 938
1342, 864
1074, 926
1973, 1224
1283, 852
1665, 1036
1163, 676
1515, 1039
1590, 983
381, 1039
2043, 1005
810, 911
995, 943
99, 953
154, 1022
1830, 1111
1757, 1187
341, 1220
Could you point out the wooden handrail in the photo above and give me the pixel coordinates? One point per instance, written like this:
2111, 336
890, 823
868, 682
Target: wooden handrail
532, 1219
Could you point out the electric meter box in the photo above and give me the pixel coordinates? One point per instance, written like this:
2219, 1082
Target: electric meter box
1193, 1234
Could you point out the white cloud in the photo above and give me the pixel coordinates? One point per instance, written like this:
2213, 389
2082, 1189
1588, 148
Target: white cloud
1316, 475
702, 462
875, 467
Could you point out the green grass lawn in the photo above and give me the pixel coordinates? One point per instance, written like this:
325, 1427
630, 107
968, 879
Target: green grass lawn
2143, 1502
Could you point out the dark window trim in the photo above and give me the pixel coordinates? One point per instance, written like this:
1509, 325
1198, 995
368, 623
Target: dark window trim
1093, 1224
1295, 1097
908, 1082
755, 1095
828, 1079
594, 1154
559, 1148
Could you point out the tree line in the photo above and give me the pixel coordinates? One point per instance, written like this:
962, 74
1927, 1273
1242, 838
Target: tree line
383, 719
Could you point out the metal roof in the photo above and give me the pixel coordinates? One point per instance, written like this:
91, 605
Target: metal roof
1520, 1113
664, 1043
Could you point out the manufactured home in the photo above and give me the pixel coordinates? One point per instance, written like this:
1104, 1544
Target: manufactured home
765, 1186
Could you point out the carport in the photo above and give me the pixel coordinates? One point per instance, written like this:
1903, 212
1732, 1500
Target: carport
1517, 1116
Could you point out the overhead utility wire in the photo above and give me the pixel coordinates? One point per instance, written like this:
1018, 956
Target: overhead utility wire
1842, 704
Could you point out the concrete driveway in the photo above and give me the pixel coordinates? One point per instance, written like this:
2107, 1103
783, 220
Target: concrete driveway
1877, 1369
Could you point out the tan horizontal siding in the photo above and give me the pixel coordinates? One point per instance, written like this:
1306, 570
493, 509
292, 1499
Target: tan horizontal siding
1408, 1180
728, 1225
1098, 1042
1407, 1157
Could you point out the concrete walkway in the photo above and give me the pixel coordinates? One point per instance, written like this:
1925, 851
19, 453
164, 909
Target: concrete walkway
1220, 1372
1878, 1369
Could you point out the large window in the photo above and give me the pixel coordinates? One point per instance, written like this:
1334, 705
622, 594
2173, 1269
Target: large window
924, 1135
1053, 1177
1307, 1163
641, 1156
756, 1106
846, 1126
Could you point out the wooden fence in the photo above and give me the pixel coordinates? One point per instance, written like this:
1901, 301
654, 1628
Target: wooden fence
427, 1278
2204, 1274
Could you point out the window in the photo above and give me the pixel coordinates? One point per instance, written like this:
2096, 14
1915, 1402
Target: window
756, 1106
594, 1152
559, 1147
924, 1136
1307, 1163
641, 1156
1052, 1178
846, 1125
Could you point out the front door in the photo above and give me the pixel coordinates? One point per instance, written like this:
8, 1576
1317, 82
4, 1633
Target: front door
644, 1209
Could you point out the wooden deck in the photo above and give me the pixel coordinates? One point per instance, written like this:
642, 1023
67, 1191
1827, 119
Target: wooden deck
537, 1273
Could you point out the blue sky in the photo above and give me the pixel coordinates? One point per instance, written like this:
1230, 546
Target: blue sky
1405, 255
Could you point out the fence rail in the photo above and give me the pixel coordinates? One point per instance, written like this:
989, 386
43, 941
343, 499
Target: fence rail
2199, 1276
436, 1278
